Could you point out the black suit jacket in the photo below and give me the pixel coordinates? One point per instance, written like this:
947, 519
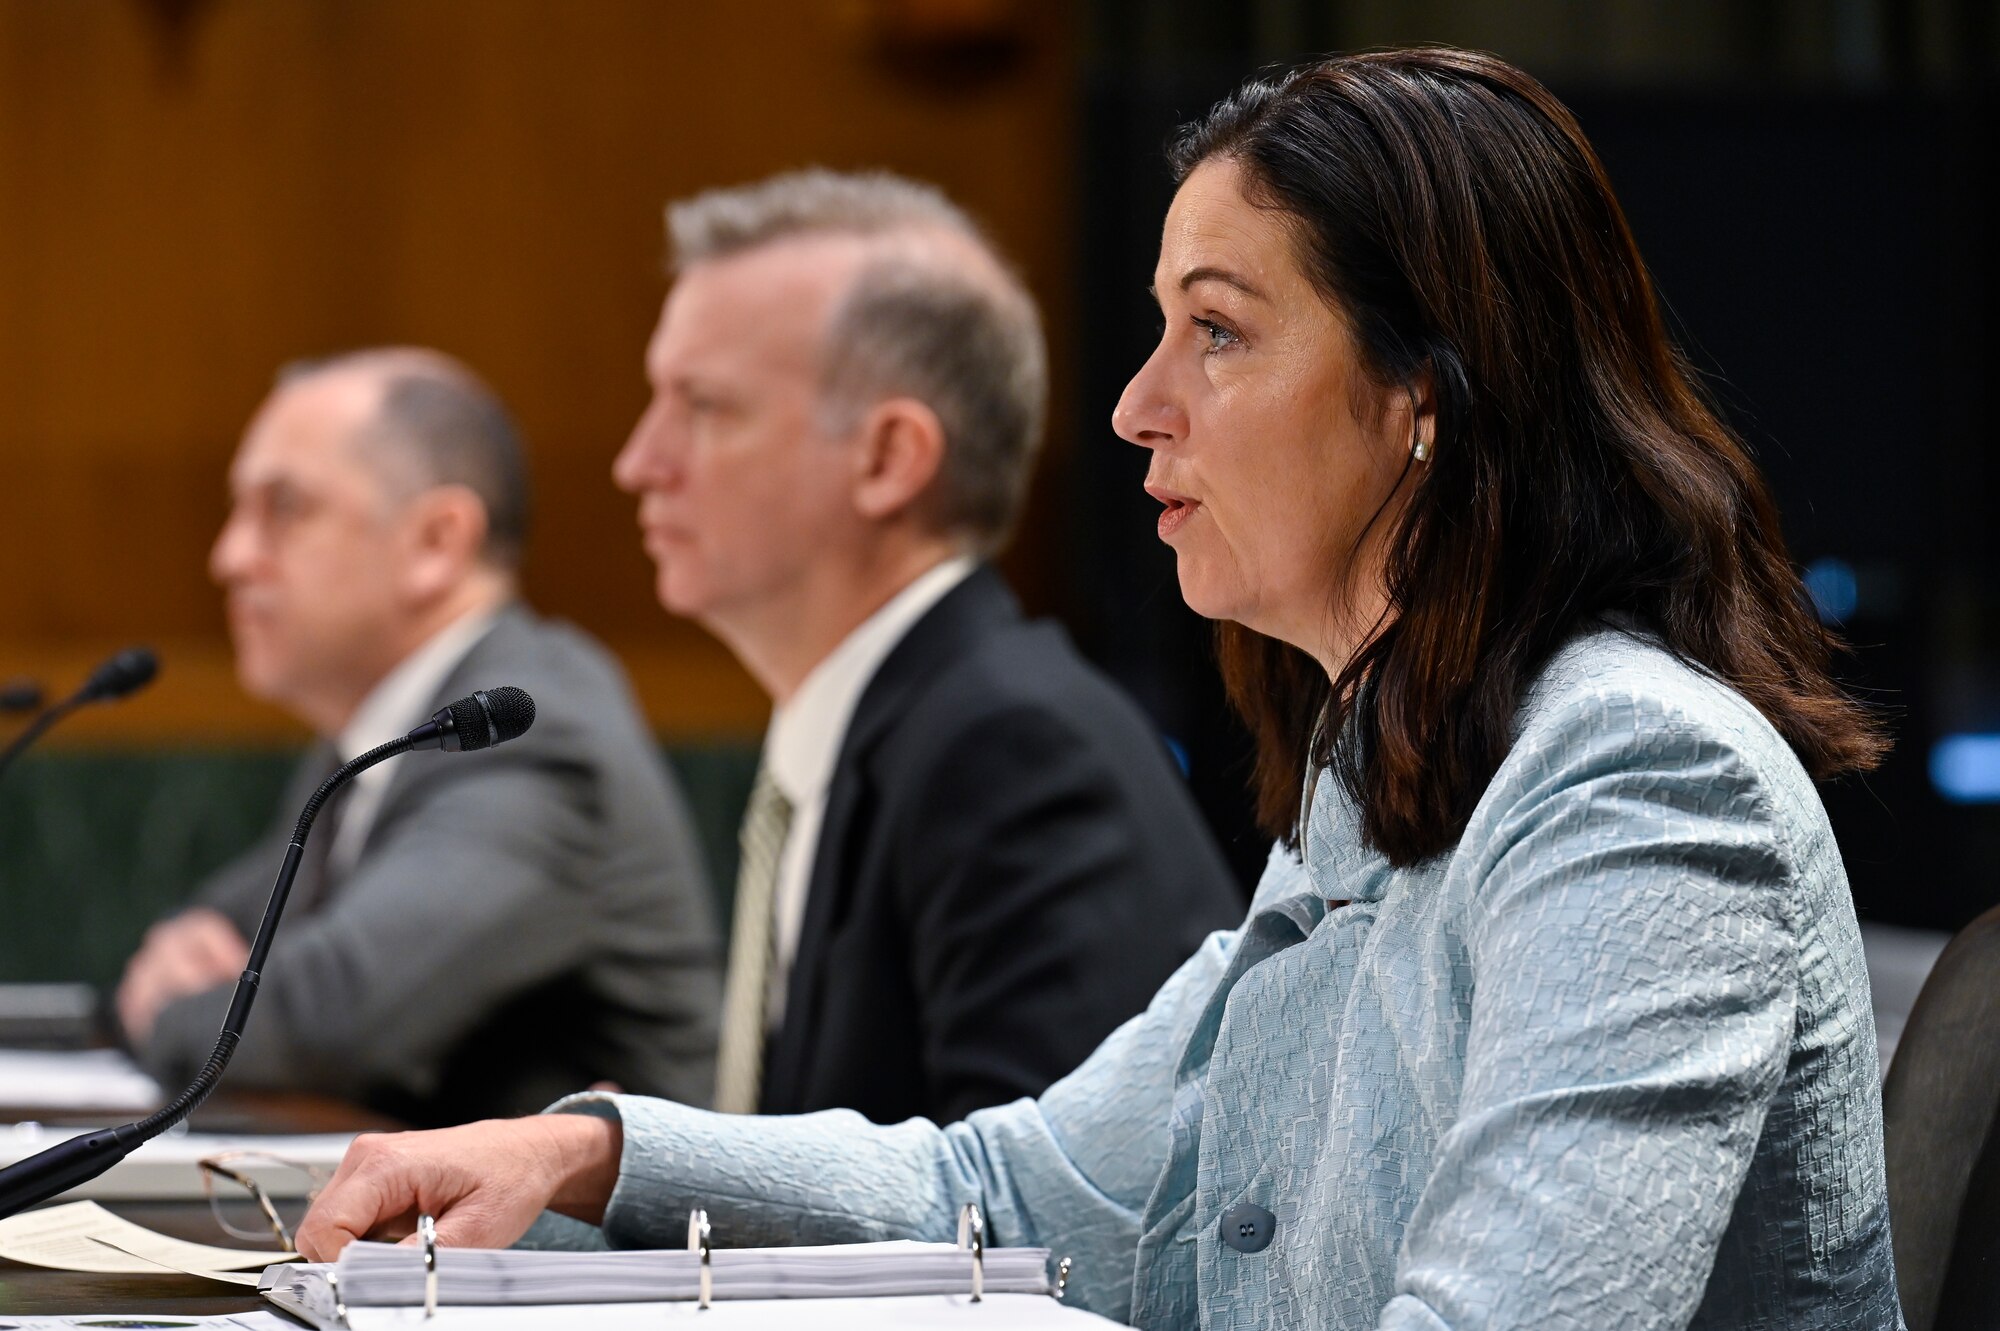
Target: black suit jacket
1009, 866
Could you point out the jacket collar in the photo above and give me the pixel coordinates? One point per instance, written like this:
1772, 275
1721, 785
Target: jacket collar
473, 671
971, 610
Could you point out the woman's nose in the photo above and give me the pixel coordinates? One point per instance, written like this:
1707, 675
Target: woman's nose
1146, 414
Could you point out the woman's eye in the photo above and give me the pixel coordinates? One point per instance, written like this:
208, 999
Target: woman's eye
1217, 336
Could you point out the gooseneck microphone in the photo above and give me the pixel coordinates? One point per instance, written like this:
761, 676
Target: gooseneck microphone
486, 718
124, 674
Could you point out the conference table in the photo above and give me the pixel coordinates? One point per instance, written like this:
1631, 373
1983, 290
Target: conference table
38, 1291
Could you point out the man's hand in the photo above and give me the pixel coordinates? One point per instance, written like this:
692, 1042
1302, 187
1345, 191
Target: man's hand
484, 1183
189, 954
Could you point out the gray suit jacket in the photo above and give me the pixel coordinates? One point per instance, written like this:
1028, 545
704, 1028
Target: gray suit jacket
519, 922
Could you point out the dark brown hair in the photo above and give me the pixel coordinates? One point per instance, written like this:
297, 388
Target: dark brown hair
1451, 209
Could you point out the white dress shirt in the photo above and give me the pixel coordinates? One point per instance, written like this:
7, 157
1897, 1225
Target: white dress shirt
399, 701
803, 744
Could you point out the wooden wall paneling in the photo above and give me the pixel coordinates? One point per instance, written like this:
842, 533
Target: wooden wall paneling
186, 205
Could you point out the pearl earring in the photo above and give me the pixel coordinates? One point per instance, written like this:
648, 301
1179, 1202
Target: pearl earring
1421, 450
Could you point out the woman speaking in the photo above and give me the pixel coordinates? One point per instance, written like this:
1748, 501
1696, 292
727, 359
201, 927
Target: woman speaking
1550, 1009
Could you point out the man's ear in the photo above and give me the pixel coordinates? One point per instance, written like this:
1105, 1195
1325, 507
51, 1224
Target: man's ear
901, 451
445, 528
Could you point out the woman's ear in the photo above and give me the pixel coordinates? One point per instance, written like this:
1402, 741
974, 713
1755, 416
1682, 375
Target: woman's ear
1422, 433
902, 450
446, 533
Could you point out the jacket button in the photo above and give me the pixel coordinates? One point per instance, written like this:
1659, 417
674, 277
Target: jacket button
1248, 1227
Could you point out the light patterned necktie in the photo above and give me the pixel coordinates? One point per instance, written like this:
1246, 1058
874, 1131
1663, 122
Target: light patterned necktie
739, 1060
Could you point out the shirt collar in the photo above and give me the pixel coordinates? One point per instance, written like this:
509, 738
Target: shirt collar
1335, 848
400, 698
803, 743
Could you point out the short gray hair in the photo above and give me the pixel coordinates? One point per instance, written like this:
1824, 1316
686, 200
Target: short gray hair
441, 425
915, 323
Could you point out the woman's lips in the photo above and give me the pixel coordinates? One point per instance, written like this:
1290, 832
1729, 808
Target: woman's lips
1179, 509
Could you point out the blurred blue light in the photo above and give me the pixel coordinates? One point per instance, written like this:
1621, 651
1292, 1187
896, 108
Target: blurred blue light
1834, 589
1966, 768
1179, 750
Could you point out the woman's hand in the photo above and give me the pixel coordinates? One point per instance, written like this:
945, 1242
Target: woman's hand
484, 1183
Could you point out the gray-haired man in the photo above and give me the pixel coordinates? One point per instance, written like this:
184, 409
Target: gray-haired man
967, 857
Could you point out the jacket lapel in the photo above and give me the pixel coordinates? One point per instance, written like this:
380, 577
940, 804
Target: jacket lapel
309, 888
947, 631
470, 673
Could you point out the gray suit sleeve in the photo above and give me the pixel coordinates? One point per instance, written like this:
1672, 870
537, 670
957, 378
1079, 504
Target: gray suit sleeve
239, 889
472, 892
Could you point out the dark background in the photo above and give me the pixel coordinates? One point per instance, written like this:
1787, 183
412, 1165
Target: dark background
1809, 199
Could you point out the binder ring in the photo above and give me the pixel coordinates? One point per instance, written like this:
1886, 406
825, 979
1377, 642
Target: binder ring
339, 1304
698, 1242
1062, 1276
427, 1231
972, 1234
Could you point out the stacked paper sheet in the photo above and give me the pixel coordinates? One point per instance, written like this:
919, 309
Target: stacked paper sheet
382, 1275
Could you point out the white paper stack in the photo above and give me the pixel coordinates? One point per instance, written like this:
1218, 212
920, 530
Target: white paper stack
382, 1274
75, 1079
879, 1283
999, 1312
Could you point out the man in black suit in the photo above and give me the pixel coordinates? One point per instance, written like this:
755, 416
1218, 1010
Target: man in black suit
467, 937
967, 856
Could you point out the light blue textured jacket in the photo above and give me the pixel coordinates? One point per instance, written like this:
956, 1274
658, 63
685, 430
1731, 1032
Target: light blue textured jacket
1607, 1064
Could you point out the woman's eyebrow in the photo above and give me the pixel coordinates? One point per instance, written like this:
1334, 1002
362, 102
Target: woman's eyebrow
1222, 275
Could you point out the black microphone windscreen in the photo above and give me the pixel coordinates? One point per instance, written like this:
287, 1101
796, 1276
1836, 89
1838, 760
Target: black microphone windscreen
489, 717
513, 712
127, 672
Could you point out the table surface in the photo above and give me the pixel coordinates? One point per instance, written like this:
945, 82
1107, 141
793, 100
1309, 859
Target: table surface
31, 1290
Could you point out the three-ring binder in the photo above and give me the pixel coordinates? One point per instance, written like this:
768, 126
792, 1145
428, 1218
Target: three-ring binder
333, 1288
383, 1277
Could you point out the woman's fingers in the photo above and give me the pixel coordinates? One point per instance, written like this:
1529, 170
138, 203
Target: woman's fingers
354, 1205
479, 1223
483, 1184
383, 1181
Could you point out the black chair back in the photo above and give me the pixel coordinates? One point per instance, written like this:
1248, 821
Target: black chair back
1938, 1117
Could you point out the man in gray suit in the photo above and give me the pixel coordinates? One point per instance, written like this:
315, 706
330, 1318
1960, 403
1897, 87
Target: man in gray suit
467, 937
